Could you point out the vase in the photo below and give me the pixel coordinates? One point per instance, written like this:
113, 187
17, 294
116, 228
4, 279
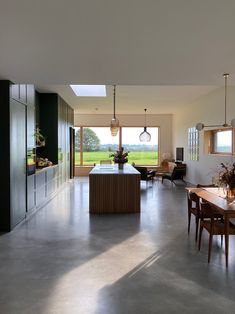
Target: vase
230, 192
120, 166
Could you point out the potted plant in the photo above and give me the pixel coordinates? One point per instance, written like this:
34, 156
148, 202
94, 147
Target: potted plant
40, 139
227, 178
120, 157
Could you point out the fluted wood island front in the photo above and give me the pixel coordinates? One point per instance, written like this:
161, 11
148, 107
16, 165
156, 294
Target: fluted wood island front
113, 191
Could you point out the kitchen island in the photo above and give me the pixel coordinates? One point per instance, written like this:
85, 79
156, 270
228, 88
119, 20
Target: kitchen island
114, 191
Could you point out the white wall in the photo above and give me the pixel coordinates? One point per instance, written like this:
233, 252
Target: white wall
208, 109
164, 121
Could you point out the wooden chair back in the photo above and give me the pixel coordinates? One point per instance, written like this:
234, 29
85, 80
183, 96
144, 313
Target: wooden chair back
106, 162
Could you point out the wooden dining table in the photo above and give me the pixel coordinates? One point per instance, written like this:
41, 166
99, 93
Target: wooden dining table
226, 207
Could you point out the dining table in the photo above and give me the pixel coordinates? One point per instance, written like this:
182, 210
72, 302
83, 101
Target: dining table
216, 196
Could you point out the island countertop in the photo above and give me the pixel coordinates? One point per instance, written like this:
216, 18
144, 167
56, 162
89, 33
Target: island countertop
114, 191
113, 169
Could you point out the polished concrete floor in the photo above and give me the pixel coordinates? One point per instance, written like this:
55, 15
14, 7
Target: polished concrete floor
62, 260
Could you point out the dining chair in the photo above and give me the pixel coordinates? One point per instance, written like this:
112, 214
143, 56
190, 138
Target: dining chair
106, 162
145, 174
194, 208
214, 226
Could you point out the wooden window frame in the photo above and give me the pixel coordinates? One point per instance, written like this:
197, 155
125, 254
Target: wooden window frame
119, 142
213, 132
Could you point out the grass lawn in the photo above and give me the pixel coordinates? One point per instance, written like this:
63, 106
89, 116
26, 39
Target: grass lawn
139, 158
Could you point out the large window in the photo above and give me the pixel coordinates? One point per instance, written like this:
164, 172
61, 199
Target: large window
222, 142
77, 146
97, 145
140, 153
93, 144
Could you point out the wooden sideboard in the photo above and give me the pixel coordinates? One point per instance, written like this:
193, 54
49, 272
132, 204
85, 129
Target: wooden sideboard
114, 191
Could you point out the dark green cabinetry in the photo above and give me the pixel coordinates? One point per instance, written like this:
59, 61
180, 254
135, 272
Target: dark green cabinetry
14, 100
22, 187
31, 195
17, 161
48, 124
31, 145
42, 186
55, 117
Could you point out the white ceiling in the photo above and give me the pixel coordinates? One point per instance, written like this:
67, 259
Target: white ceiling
182, 47
133, 99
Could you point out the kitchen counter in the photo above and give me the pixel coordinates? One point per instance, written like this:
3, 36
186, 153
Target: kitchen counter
114, 191
45, 168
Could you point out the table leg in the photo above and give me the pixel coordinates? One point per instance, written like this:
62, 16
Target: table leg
226, 231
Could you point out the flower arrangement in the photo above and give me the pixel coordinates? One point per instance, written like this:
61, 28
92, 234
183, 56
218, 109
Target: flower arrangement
227, 175
120, 157
166, 157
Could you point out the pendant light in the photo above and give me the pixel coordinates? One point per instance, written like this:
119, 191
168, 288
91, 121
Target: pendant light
114, 125
145, 136
200, 126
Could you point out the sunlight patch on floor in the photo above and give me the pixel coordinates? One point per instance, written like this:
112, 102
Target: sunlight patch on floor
83, 283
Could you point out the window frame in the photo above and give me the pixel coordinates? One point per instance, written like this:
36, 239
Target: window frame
119, 140
233, 141
158, 144
213, 133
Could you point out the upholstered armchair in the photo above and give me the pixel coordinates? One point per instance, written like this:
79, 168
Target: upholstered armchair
177, 173
145, 174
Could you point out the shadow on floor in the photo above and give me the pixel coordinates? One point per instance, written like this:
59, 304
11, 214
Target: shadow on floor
163, 283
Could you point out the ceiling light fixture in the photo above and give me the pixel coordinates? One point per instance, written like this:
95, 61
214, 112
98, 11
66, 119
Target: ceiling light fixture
145, 136
200, 126
114, 125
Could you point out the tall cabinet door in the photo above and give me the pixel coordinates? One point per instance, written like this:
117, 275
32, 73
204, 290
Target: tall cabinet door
72, 152
18, 161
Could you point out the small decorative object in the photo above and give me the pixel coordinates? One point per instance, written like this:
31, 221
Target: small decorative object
120, 157
120, 166
166, 157
40, 139
43, 162
227, 179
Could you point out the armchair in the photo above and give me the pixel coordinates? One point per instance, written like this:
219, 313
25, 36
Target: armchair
178, 173
145, 174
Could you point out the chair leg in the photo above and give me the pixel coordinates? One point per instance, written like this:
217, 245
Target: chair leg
210, 246
221, 240
197, 224
200, 237
189, 220
226, 249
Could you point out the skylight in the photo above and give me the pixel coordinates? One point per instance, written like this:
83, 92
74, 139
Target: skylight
89, 90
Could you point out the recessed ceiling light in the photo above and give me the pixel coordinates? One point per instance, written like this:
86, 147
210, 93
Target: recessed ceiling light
89, 90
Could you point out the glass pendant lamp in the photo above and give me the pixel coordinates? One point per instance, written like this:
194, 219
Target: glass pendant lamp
114, 125
145, 136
